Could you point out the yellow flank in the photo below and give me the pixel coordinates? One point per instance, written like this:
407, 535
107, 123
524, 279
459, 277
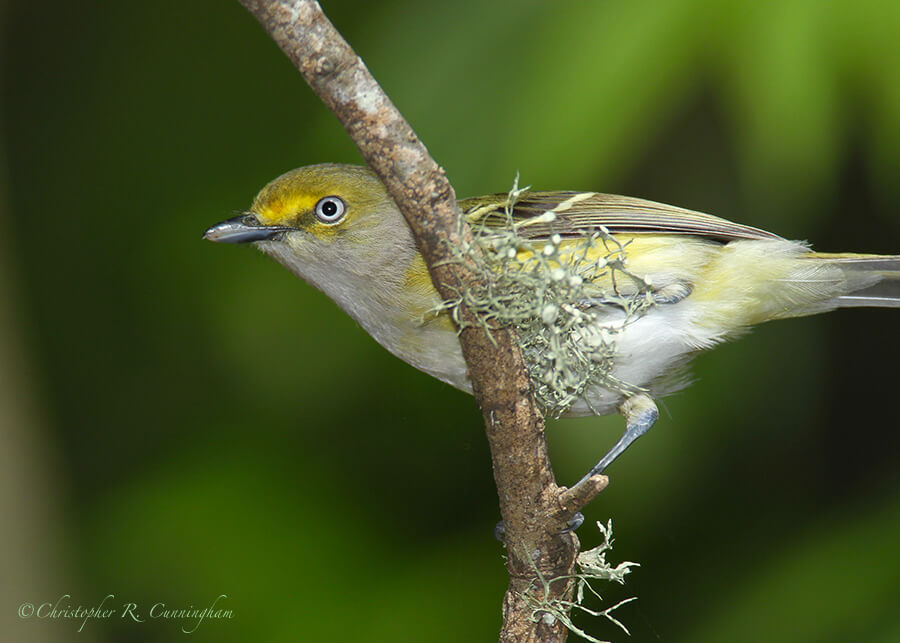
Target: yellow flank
651, 257
736, 285
417, 280
422, 298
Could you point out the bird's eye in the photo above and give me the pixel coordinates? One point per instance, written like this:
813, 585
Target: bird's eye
330, 209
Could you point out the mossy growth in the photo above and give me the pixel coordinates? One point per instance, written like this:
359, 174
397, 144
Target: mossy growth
593, 566
562, 295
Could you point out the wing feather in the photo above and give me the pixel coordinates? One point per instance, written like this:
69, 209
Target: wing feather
580, 211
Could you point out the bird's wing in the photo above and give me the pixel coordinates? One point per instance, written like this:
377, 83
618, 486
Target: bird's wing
578, 212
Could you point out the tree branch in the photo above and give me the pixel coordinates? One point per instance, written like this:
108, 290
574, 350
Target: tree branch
533, 508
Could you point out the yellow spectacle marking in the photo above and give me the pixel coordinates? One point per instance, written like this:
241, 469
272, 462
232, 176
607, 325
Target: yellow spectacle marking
284, 209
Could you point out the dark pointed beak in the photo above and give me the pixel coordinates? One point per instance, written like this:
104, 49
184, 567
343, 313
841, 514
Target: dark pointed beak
242, 229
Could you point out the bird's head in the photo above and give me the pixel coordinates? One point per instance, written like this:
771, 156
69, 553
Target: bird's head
330, 224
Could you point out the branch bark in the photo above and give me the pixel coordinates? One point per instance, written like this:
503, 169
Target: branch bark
533, 507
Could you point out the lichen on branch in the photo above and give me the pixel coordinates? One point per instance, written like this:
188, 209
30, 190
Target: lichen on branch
568, 299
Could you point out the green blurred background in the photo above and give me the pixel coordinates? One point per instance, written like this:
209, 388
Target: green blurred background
182, 420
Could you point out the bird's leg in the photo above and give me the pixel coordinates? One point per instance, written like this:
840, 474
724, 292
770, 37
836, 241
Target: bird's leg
640, 414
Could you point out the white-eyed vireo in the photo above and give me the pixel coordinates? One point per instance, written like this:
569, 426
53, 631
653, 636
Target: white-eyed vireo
610, 296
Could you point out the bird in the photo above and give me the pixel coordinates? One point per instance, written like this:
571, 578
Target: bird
649, 285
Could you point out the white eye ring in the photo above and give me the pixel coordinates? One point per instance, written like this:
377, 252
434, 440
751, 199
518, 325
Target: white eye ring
330, 209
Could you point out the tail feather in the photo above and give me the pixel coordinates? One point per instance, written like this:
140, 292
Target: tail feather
873, 280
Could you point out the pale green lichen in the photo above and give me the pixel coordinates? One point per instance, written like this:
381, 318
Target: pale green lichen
557, 294
593, 566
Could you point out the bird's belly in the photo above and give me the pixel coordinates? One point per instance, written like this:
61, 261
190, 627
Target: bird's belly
649, 353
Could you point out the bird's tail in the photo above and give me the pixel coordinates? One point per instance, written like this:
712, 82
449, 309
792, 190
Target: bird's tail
872, 280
